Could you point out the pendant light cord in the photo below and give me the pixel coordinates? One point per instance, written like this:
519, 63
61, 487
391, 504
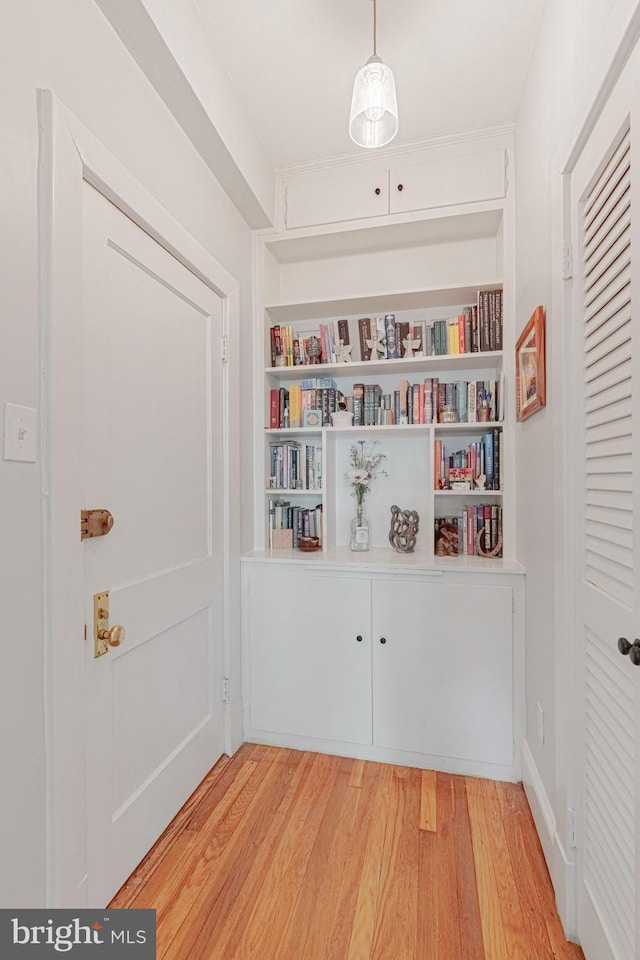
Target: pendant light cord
375, 52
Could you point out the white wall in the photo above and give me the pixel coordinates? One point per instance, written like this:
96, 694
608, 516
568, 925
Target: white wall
570, 44
69, 47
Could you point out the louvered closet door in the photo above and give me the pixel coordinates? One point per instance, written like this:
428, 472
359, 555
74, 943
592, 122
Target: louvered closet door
606, 208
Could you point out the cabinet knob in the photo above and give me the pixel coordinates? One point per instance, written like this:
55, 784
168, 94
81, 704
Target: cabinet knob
377, 191
400, 187
383, 639
632, 650
359, 638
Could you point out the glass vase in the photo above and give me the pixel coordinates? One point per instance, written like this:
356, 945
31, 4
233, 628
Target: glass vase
359, 538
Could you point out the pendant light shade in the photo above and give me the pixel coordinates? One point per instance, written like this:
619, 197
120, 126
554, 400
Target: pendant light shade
374, 107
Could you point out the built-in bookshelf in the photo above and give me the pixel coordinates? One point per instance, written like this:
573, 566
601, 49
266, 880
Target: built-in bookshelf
421, 369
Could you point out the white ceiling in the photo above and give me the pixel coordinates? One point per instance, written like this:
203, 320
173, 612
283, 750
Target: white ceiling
459, 65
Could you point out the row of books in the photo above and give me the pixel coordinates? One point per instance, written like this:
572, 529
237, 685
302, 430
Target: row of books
477, 532
476, 328
419, 403
295, 466
298, 521
478, 467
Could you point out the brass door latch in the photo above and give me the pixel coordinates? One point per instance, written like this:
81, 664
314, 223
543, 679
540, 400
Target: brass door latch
103, 635
95, 523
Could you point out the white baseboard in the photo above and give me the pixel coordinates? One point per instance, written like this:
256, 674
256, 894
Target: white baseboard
562, 871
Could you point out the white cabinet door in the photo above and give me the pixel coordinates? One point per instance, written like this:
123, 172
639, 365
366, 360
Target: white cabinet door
442, 670
352, 197
310, 649
443, 182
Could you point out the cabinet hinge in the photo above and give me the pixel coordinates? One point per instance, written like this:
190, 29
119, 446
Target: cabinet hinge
567, 262
225, 688
572, 839
224, 348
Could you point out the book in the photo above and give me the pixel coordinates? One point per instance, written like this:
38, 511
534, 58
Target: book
364, 334
391, 337
274, 409
358, 404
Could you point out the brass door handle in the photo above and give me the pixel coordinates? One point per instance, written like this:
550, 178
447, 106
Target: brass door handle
114, 636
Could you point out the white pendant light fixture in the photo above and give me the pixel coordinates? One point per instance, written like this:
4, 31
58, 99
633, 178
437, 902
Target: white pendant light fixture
374, 108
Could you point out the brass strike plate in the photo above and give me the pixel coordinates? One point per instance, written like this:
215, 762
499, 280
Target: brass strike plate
100, 622
95, 523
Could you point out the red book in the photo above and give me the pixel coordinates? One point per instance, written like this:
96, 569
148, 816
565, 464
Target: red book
274, 406
462, 343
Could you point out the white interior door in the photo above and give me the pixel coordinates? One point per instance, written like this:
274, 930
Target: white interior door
152, 455
606, 219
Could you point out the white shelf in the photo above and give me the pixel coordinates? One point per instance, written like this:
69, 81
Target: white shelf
383, 559
481, 426
455, 295
406, 366
279, 492
293, 432
475, 494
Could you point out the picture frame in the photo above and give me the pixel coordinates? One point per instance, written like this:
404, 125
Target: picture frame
530, 367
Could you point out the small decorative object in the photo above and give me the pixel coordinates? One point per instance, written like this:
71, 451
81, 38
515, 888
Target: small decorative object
481, 552
447, 538
365, 464
342, 418
449, 414
309, 544
410, 345
312, 418
530, 367
344, 352
404, 529
314, 349
483, 409
281, 539
481, 481
376, 347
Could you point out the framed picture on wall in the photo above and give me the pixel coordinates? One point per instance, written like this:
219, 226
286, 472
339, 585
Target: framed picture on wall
530, 366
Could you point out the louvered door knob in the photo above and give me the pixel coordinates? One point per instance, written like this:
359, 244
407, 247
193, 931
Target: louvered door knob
632, 650
359, 638
377, 191
383, 639
624, 646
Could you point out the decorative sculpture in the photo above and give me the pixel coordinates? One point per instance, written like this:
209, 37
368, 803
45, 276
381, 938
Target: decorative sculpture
344, 352
410, 345
404, 529
376, 346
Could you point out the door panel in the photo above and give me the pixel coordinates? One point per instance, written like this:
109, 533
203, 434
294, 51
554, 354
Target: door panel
443, 679
312, 677
606, 334
152, 455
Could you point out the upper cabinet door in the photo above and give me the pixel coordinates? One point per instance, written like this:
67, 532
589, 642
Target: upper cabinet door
351, 197
443, 182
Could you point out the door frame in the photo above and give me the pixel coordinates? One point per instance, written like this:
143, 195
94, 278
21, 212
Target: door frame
69, 155
561, 838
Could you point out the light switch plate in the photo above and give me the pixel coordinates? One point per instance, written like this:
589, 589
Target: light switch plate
20, 433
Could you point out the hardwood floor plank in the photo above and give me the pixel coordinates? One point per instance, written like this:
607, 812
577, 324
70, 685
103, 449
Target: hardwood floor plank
427, 929
357, 773
397, 910
428, 819
471, 942
493, 933
448, 913
374, 866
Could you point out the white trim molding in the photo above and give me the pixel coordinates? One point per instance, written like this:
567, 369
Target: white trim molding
68, 156
561, 868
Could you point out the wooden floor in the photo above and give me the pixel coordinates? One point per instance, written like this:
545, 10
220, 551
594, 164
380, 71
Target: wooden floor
286, 855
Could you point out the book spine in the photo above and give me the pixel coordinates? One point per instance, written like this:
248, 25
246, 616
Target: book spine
364, 333
488, 460
274, 409
391, 336
462, 348
343, 331
358, 404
